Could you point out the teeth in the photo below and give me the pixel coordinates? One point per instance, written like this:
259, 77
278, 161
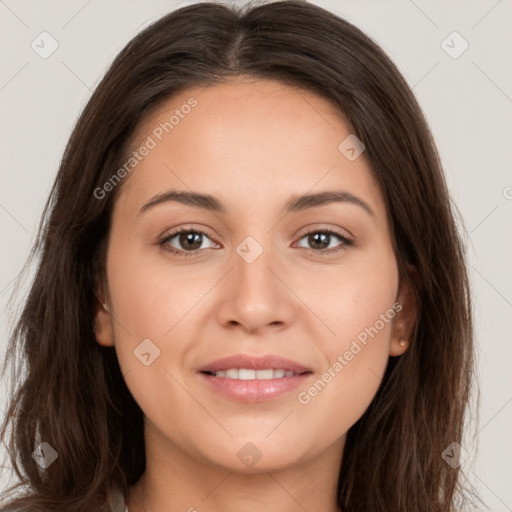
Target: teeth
248, 374
231, 374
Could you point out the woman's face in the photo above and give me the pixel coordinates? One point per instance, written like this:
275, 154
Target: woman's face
255, 273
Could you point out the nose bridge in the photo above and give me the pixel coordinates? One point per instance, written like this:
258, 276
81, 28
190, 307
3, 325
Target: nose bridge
252, 261
255, 296
250, 249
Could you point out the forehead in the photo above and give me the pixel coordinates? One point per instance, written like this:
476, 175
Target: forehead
250, 141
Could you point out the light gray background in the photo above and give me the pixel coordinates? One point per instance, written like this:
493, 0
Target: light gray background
467, 101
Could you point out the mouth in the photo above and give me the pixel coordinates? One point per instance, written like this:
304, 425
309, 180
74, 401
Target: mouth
250, 379
252, 374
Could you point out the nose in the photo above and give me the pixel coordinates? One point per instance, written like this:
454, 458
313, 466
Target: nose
255, 295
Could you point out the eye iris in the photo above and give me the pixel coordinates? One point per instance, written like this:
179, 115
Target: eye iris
191, 238
318, 240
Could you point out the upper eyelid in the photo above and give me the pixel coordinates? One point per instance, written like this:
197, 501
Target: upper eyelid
186, 229
332, 230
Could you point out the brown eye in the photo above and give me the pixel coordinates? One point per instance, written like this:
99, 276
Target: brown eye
190, 240
320, 241
186, 242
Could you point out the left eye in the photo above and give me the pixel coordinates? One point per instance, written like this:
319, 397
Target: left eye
319, 239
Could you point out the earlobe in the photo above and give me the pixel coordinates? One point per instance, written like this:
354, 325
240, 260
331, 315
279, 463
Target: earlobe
400, 348
405, 320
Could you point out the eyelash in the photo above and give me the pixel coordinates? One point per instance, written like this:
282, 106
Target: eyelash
322, 252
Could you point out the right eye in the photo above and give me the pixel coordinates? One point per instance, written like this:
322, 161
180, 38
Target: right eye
190, 240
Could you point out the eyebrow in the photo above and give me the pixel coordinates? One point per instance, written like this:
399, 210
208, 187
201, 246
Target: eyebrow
295, 203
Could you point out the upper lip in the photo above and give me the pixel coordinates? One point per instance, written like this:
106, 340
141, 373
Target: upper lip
270, 361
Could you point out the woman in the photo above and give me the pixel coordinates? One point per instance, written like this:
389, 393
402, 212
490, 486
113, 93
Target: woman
251, 291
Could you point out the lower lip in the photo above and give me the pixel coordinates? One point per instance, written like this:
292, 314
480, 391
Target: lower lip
254, 390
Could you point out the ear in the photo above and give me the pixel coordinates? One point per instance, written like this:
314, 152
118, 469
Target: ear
405, 319
103, 319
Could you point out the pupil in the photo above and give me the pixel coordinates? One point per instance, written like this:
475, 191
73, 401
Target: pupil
188, 238
314, 240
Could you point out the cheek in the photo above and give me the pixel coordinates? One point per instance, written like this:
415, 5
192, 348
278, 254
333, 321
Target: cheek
344, 391
155, 306
150, 295
350, 298
354, 365
358, 305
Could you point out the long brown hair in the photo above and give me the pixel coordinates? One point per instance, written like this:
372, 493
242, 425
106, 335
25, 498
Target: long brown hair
73, 394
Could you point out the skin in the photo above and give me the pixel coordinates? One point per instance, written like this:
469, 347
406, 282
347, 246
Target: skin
252, 155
